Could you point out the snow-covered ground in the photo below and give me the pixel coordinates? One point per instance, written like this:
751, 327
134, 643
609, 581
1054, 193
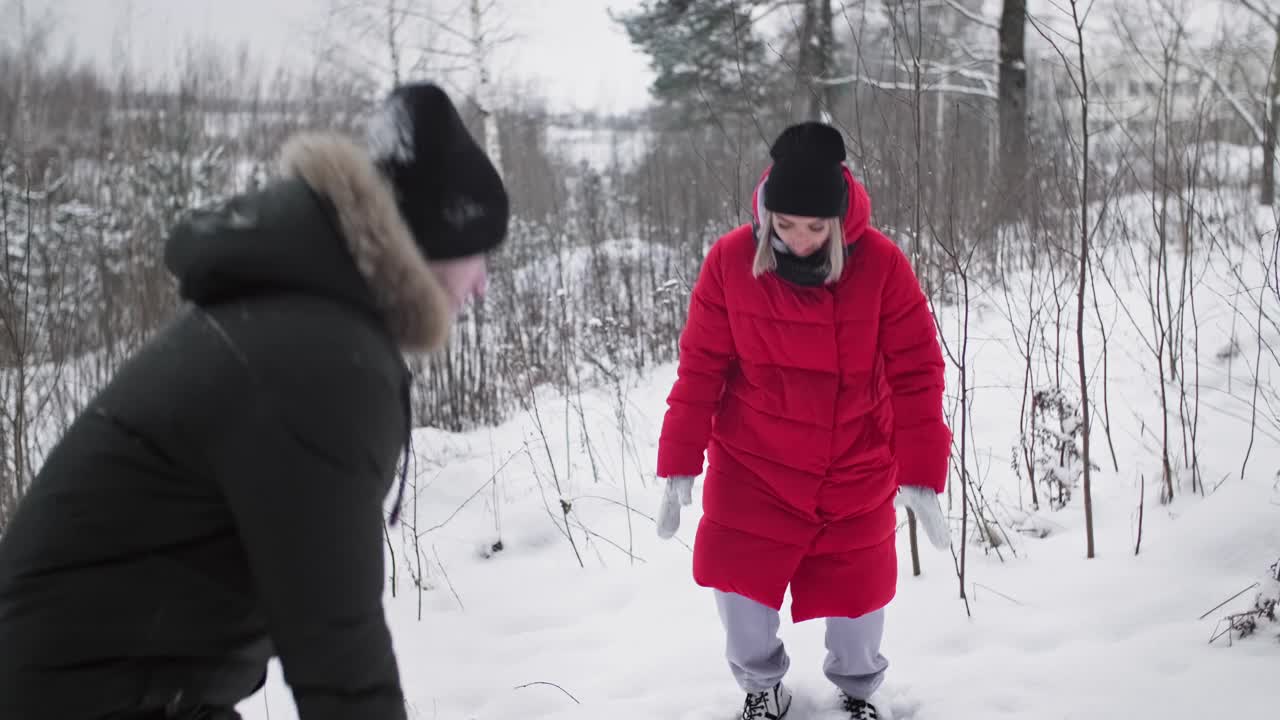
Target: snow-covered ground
600, 148
612, 626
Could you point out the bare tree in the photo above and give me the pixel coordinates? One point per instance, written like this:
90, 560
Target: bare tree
1077, 71
1269, 14
1014, 134
1078, 21
814, 42
483, 43
1244, 71
35, 263
376, 42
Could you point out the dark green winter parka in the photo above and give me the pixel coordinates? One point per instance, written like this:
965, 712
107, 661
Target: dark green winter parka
220, 501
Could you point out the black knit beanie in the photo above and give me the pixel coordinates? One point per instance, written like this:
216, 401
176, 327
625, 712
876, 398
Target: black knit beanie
807, 177
449, 192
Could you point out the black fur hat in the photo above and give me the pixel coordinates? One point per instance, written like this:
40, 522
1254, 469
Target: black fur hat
807, 177
449, 192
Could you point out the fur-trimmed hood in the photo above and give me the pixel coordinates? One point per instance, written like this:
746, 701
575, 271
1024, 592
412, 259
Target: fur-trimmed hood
416, 306
330, 226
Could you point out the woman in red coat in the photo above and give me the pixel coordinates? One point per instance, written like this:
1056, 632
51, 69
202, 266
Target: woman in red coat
811, 376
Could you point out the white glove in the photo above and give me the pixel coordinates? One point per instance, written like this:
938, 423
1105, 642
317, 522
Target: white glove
924, 503
679, 492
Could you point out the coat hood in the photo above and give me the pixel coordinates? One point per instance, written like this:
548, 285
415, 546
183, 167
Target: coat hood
330, 226
857, 217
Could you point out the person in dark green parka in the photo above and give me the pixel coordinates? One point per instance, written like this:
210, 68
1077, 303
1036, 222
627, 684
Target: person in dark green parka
220, 501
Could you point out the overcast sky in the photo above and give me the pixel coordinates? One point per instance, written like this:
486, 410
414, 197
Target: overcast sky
569, 50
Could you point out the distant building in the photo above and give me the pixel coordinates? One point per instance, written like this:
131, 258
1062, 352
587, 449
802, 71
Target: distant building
1206, 86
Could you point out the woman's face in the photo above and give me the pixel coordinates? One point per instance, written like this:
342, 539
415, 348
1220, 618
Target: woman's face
802, 235
463, 278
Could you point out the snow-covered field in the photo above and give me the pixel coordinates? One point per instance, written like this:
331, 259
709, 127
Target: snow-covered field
600, 148
611, 626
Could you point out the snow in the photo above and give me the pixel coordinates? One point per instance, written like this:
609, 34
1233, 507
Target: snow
600, 148
611, 625
527, 631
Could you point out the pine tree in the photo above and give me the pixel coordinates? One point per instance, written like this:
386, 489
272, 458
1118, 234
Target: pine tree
708, 58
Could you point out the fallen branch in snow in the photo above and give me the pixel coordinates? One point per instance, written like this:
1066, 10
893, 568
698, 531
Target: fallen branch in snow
611, 501
1244, 624
565, 506
447, 581
997, 592
593, 534
566, 692
986, 521
474, 495
1224, 602
1032, 523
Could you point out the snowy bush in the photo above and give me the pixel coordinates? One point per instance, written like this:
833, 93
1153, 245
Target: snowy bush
1054, 442
1240, 625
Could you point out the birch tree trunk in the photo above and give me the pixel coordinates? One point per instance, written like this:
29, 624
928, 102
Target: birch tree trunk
484, 87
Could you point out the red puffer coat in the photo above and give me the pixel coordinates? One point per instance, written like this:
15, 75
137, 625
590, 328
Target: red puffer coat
813, 404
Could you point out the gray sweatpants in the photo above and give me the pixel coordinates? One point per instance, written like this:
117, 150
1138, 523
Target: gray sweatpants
759, 660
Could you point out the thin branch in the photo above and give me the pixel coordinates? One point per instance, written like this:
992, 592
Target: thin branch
968, 14
1224, 602
473, 496
566, 692
447, 581
947, 88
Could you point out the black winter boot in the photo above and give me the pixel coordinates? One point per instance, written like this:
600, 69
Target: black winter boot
860, 709
767, 704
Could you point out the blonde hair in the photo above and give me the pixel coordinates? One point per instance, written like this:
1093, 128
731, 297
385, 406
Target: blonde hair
766, 259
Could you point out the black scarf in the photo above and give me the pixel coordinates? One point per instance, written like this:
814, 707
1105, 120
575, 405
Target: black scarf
809, 271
